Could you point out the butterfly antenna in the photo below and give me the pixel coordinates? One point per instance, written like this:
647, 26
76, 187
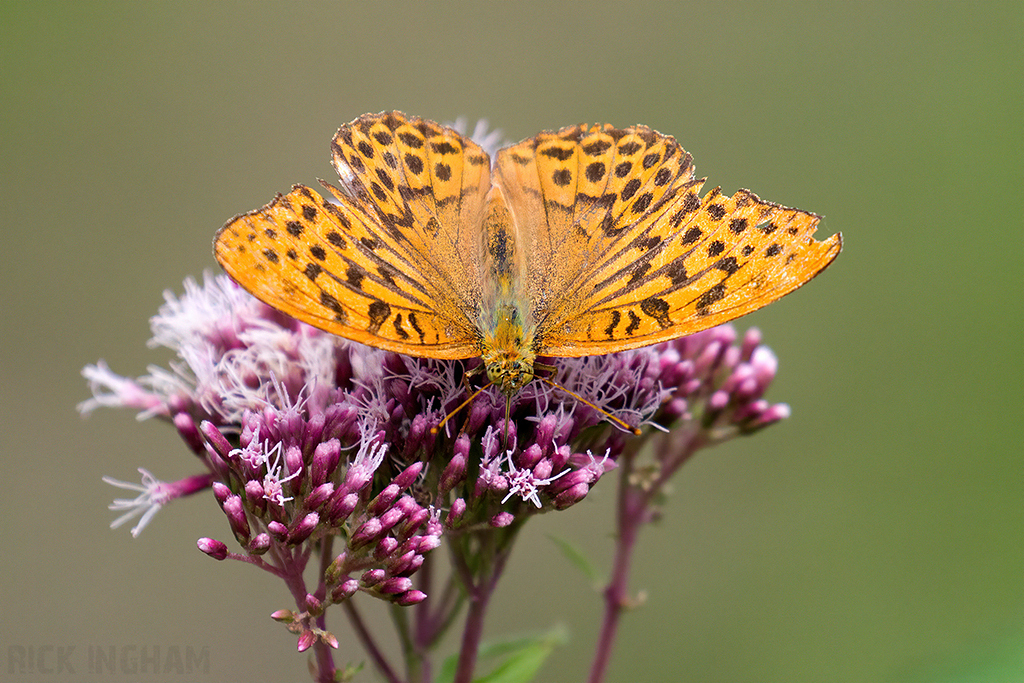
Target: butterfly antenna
435, 430
619, 421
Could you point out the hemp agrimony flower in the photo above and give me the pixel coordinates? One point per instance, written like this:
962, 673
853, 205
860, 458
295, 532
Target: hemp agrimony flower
318, 448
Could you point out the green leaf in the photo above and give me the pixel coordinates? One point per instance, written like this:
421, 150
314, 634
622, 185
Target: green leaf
578, 560
521, 657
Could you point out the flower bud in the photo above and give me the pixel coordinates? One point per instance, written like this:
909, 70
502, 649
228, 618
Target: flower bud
341, 506
306, 641
236, 519
408, 476
454, 472
318, 496
395, 585
220, 492
502, 519
455, 513
314, 429
259, 544
385, 547
254, 496
410, 598
305, 527
366, 533
313, 605
325, 461
189, 432
215, 439
277, 531
345, 590
213, 548
372, 577
384, 499
571, 496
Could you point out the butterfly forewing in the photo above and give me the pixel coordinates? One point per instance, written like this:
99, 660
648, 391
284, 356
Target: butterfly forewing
631, 254
427, 186
575, 195
392, 264
729, 256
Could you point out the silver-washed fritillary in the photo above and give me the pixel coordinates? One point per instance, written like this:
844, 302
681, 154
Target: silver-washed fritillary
583, 241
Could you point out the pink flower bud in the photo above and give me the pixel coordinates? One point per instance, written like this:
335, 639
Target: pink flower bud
571, 496
189, 432
220, 492
325, 461
502, 519
306, 641
372, 577
396, 585
213, 548
277, 531
318, 496
411, 598
259, 544
301, 531
215, 439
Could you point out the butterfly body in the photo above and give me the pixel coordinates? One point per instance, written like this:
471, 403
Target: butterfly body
508, 343
583, 241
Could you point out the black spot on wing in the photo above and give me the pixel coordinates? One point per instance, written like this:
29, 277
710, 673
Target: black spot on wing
692, 235
656, 308
399, 328
559, 153
610, 330
333, 304
378, 312
634, 324
595, 171
416, 328
709, 297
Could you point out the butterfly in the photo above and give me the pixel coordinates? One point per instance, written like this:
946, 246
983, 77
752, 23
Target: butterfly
583, 241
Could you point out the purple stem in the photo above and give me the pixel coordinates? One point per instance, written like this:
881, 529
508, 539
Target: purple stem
324, 657
632, 513
480, 593
292, 572
630, 516
367, 640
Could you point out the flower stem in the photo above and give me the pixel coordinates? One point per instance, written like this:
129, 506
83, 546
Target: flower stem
633, 511
366, 638
480, 592
630, 515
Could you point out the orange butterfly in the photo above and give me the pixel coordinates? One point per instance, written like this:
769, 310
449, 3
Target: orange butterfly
584, 241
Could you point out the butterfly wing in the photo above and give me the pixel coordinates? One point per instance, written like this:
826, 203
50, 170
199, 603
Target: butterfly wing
393, 262
623, 251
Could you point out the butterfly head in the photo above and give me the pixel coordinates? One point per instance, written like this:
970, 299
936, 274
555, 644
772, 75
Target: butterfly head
508, 350
509, 371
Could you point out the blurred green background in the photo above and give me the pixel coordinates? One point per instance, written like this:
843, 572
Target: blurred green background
875, 536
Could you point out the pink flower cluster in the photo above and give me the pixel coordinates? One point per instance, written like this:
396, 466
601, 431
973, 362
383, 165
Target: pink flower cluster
308, 439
